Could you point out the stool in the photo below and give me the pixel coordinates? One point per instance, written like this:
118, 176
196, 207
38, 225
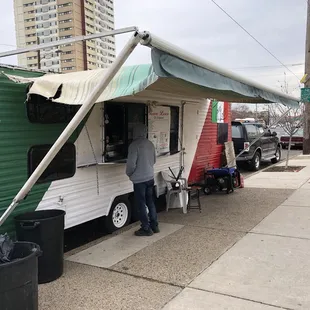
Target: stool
193, 194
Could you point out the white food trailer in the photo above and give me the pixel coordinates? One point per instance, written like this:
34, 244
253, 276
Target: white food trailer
171, 95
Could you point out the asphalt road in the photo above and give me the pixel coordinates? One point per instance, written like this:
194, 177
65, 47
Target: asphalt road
293, 153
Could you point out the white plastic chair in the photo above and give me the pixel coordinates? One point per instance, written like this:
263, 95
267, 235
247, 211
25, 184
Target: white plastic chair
174, 188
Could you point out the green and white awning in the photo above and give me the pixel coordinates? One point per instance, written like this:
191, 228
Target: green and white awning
167, 75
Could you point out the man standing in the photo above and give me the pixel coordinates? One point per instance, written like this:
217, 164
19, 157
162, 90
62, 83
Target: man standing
140, 170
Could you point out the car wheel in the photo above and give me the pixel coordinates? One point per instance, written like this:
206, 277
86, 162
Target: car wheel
277, 157
119, 216
255, 162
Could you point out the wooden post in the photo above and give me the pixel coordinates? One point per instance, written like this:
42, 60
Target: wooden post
306, 147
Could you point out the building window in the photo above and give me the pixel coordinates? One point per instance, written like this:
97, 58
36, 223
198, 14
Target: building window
29, 4
68, 68
66, 45
61, 167
119, 121
222, 133
65, 29
90, 18
65, 21
65, 13
65, 5
67, 60
65, 37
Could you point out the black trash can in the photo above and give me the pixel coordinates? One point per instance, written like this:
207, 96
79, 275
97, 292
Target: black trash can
46, 228
19, 278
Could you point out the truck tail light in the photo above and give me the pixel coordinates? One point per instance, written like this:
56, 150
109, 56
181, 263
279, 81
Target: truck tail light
246, 146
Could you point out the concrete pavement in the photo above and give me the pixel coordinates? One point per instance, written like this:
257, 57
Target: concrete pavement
246, 250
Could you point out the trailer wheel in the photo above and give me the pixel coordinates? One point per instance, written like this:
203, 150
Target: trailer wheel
119, 216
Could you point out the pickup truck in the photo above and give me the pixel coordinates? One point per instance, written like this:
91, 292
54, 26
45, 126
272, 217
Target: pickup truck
297, 140
267, 148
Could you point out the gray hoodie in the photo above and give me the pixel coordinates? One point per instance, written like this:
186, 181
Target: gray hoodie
141, 156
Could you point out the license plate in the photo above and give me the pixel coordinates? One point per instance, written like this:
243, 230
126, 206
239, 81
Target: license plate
292, 144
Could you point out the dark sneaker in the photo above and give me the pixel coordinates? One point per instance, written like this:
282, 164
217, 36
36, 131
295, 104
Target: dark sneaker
155, 230
143, 233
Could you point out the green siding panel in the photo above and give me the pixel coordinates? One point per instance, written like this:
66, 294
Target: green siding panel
17, 135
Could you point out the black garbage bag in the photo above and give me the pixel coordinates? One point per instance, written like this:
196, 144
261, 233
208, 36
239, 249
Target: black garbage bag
6, 248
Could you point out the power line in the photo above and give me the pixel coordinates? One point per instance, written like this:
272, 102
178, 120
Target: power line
267, 67
265, 48
8, 45
271, 74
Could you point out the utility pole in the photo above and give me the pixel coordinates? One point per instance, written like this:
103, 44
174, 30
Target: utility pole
306, 146
39, 55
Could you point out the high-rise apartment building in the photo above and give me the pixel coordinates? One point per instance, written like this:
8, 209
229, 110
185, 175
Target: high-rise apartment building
46, 21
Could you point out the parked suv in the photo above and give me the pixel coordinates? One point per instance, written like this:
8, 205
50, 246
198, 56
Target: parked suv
266, 148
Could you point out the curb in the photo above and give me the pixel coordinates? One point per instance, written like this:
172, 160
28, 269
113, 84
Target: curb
262, 170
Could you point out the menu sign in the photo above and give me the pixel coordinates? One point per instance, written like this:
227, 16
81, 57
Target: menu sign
159, 128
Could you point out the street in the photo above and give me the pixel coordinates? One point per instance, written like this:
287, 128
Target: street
293, 153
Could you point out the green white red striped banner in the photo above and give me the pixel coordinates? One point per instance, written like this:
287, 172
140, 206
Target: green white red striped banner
220, 111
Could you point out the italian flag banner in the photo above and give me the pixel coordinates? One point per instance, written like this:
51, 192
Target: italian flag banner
219, 111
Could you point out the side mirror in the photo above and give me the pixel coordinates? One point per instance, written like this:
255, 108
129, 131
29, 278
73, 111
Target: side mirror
274, 134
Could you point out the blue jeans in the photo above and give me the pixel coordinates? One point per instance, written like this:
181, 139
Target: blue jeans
144, 197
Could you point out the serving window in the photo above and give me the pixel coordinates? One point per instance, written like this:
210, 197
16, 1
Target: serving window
120, 119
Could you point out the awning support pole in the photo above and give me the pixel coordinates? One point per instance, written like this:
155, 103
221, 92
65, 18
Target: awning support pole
76, 120
68, 41
260, 136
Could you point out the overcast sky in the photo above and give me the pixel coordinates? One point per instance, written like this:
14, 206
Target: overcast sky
203, 29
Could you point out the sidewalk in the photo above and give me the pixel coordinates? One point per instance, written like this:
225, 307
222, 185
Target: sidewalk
246, 250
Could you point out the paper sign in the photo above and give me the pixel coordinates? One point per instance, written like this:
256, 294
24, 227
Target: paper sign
159, 128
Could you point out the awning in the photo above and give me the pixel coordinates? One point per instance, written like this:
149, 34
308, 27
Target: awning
76, 86
167, 74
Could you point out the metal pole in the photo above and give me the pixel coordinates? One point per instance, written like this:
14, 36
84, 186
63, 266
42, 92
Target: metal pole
306, 144
85, 108
39, 55
67, 41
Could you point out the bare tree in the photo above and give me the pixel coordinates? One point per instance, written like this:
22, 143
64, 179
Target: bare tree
244, 111
241, 111
292, 121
